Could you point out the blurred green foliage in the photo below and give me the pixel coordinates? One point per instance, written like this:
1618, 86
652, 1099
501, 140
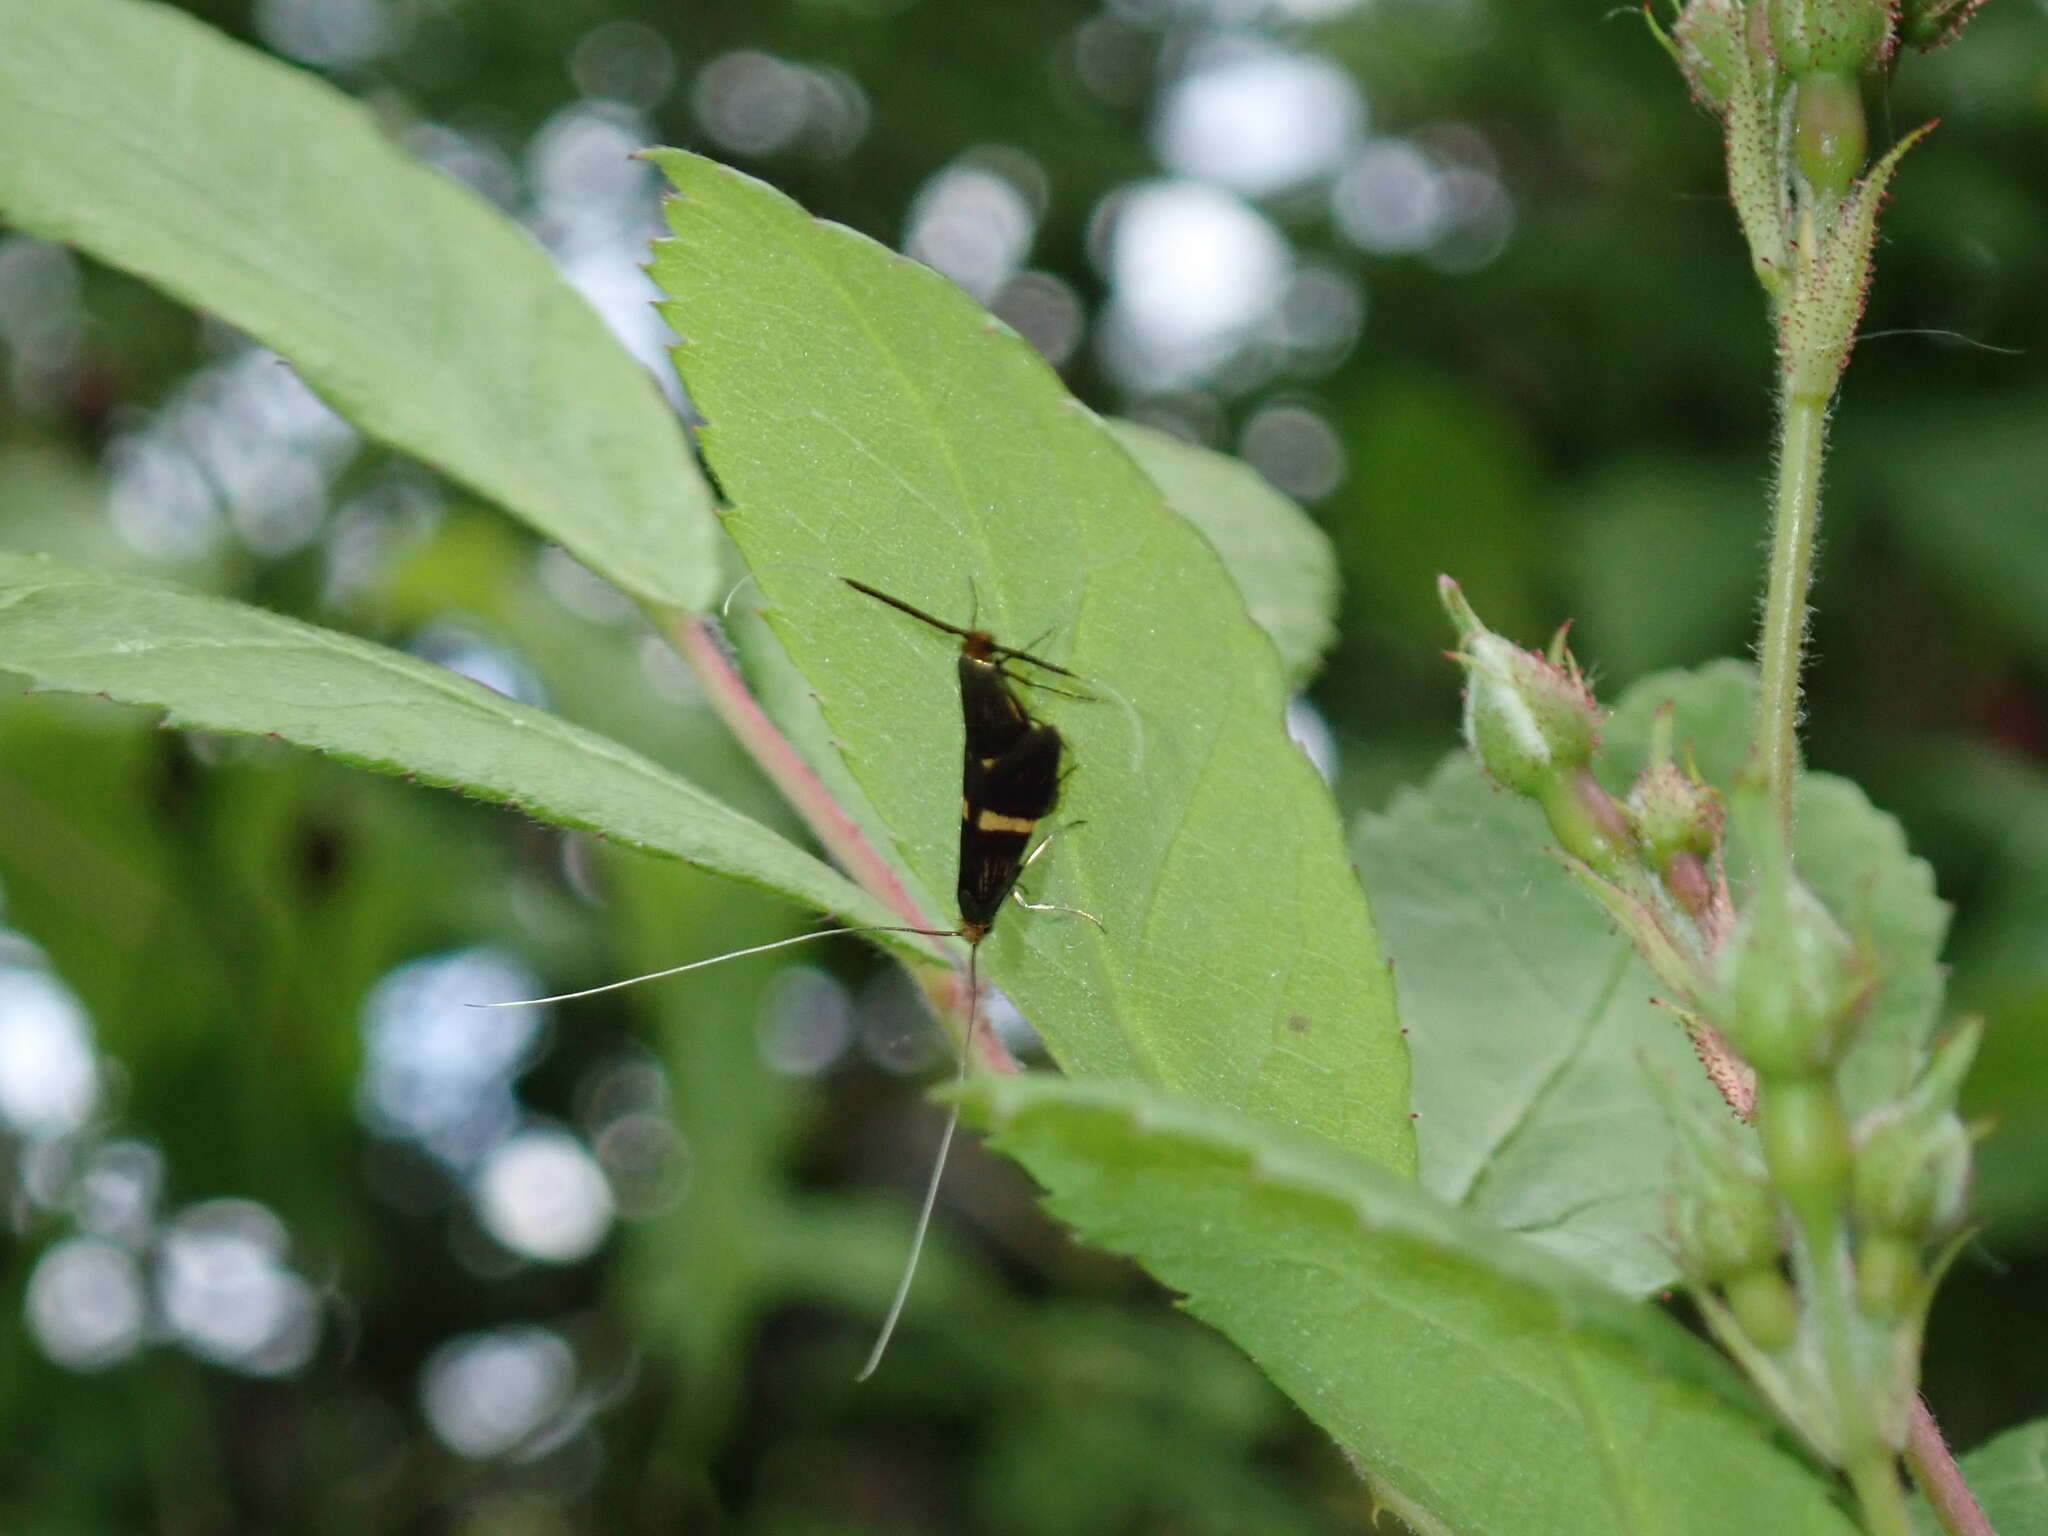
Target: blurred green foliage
1575, 427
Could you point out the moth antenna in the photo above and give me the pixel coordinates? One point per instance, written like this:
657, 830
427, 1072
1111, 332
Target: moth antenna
753, 578
698, 965
725, 608
902, 607
931, 1189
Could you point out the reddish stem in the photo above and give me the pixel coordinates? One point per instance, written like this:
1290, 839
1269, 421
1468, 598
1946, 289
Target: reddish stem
1940, 1479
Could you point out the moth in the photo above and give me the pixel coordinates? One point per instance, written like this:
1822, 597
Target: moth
1009, 784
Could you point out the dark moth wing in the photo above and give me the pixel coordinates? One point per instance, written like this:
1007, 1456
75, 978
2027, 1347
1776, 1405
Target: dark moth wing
1002, 801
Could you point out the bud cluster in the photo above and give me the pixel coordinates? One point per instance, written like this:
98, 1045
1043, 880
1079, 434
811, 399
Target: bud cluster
1774, 992
1807, 199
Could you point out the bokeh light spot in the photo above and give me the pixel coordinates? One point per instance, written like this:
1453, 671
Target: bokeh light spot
1257, 119
1295, 449
806, 1022
972, 224
1193, 270
85, 1303
49, 1080
542, 1195
486, 1394
226, 1294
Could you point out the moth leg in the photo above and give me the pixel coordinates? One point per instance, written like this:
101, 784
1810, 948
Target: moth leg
1050, 906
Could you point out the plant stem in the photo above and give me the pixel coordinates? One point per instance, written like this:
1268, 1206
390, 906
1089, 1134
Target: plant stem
1934, 1469
1802, 444
1830, 1293
1878, 1492
772, 752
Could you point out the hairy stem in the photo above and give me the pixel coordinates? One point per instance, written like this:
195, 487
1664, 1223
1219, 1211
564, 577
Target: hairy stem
773, 754
1940, 1479
1802, 443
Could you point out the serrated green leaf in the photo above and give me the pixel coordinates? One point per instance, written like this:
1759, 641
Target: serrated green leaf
1531, 1025
1529, 1015
254, 191
867, 419
2009, 1476
1483, 1386
220, 666
1280, 560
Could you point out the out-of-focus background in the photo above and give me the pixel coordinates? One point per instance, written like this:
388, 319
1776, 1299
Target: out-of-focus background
295, 1241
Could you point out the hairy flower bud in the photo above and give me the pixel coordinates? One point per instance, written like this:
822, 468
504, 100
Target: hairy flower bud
1530, 719
1929, 24
1834, 37
1674, 812
1707, 41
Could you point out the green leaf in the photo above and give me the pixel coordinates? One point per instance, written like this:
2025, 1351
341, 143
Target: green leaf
867, 419
1532, 1029
215, 665
1281, 561
1482, 1385
1530, 1016
2009, 1476
253, 191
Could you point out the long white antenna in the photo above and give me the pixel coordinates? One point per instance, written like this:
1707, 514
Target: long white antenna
931, 1188
697, 965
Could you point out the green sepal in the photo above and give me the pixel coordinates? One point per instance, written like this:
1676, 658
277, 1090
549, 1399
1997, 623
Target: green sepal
1817, 330
1931, 24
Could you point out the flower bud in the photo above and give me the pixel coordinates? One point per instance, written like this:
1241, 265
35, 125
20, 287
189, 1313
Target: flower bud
1765, 1308
1834, 37
1673, 811
1912, 1173
1707, 41
1829, 137
1930, 24
1728, 1220
1529, 719
1789, 984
